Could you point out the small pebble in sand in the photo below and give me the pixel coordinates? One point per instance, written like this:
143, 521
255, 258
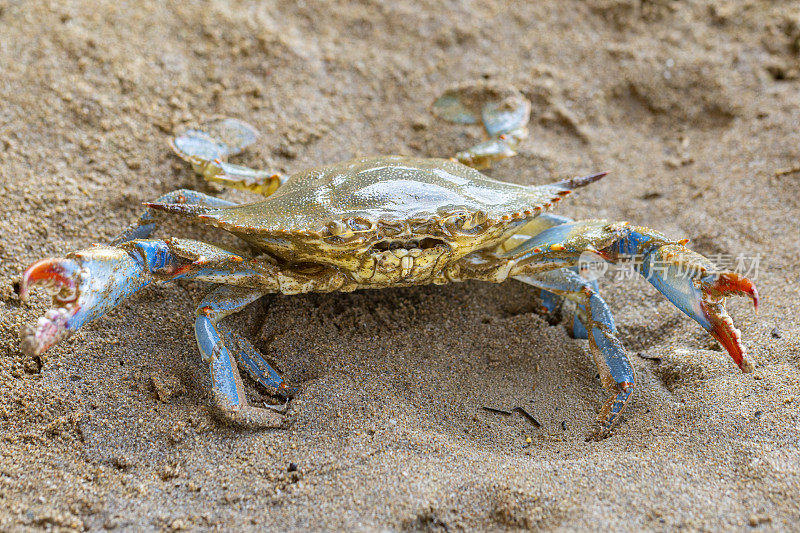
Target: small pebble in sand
756, 520
776, 333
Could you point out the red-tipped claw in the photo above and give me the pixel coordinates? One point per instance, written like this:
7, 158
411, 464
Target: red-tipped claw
60, 277
721, 324
84, 285
57, 275
732, 283
694, 285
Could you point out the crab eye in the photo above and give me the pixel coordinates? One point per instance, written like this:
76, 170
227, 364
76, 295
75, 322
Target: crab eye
458, 221
359, 224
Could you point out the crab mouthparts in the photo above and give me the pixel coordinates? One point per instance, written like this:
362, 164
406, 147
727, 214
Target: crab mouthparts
424, 243
58, 277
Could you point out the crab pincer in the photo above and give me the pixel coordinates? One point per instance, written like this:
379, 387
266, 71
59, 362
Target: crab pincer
720, 325
689, 280
551, 258
84, 285
59, 277
699, 289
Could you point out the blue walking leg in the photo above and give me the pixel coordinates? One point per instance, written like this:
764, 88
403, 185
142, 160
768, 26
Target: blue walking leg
218, 350
616, 372
551, 301
578, 328
255, 363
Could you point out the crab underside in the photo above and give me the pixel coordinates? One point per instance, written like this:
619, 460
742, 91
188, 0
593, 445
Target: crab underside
379, 222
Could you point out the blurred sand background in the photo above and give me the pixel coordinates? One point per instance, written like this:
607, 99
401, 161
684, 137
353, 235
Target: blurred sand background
693, 105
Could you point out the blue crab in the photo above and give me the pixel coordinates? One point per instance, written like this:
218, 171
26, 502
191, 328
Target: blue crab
378, 222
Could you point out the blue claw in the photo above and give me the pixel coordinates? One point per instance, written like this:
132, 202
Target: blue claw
692, 283
84, 286
87, 284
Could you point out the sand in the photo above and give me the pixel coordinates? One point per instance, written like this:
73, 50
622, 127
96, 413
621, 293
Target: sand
693, 106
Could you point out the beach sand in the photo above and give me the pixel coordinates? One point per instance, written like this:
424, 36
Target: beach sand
692, 106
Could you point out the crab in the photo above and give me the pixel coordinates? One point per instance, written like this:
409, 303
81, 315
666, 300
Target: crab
374, 222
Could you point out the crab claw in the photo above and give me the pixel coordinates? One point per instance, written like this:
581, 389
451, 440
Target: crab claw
83, 285
60, 277
698, 288
720, 325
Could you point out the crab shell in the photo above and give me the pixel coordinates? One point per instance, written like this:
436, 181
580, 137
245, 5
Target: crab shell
385, 220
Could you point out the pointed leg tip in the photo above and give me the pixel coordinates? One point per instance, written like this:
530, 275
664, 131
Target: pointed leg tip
601, 430
582, 181
594, 177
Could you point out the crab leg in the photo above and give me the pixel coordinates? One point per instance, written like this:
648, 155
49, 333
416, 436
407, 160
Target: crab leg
255, 363
227, 389
550, 300
691, 282
146, 224
503, 111
85, 285
687, 279
207, 149
88, 283
616, 372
